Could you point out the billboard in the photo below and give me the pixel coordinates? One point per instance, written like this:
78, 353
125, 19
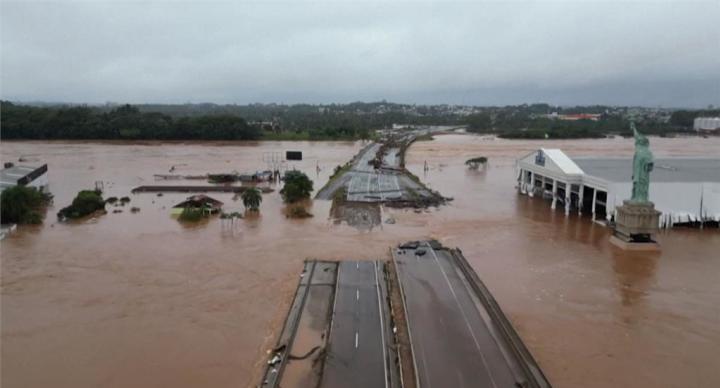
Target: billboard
293, 155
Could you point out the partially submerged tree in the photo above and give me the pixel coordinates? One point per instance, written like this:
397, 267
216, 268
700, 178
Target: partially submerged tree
297, 186
474, 163
298, 212
251, 199
21, 205
85, 203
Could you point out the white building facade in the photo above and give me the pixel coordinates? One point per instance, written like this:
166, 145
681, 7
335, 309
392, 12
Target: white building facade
683, 189
706, 124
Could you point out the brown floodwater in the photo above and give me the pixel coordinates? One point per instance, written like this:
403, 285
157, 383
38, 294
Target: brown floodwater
143, 300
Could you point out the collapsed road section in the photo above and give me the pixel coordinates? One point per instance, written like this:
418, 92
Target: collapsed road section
378, 175
338, 332
458, 334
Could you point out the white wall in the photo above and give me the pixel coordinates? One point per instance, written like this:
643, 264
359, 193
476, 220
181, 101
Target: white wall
678, 202
40, 183
711, 201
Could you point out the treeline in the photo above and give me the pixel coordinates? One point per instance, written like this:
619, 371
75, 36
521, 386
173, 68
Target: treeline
686, 118
124, 122
206, 121
518, 126
325, 122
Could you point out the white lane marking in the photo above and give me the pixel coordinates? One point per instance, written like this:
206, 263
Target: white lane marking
382, 325
357, 294
356, 340
357, 264
467, 323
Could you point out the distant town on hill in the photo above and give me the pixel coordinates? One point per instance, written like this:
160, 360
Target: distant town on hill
349, 121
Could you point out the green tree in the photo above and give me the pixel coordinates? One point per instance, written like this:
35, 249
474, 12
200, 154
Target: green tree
20, 205
474, 163
479, 122
297, 186
85, 203
251, 199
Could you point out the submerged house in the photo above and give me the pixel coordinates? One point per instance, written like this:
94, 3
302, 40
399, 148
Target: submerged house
30, 176
685, 190
199, 201
259, 176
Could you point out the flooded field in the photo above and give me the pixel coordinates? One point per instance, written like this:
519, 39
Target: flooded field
143, 300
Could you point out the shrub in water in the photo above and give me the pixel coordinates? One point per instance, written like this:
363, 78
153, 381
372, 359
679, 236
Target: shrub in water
20, 205
85, 203
476, 162
297, 186
298, 212
251, 199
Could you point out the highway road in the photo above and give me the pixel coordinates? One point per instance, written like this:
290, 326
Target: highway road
357, 347
305, 328
366, 184
452, 344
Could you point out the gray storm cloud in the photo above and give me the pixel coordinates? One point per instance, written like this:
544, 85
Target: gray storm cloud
563, 52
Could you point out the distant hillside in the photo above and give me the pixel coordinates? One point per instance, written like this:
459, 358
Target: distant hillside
326, 122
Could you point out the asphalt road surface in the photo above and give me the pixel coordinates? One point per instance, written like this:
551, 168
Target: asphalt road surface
366, 184
452, 345
356, 354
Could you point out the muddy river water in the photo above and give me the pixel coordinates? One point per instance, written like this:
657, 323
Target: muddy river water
143, 300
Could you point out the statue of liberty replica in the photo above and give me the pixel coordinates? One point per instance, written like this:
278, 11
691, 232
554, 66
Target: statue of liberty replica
637, 220
642, 166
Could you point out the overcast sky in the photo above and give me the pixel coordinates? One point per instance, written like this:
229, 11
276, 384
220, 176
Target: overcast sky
477, 52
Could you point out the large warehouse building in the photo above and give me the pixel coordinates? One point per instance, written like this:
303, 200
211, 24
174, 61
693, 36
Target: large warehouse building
30, 176
685, 190
706, 124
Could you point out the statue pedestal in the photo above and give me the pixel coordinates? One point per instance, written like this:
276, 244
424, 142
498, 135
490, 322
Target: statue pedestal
635, 225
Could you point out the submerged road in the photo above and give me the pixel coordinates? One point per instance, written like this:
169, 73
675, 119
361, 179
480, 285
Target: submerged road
365, 183
357, 351
452, 344
368, 185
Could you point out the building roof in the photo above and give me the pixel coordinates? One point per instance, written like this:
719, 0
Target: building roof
200, 200
12, 176
665, 170
14, 173
567, 165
